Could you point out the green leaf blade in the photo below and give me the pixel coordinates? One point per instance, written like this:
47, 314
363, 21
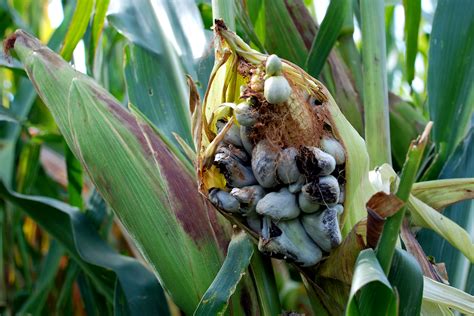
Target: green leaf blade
371, 292
214, 301
375, 93
157, 89
78, 27
412, 25
450, 77
406, 277
328, 33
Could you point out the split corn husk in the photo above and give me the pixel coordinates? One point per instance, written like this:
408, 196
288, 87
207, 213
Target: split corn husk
302, 122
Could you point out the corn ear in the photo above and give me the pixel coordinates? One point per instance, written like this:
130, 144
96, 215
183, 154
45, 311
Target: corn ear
303, 124
151, 191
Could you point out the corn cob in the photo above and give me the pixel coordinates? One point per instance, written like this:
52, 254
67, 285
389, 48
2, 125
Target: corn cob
309, 164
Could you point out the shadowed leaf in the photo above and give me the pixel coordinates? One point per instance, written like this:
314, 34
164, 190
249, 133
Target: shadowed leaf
371, 292
451, 95
101, 263
214, 301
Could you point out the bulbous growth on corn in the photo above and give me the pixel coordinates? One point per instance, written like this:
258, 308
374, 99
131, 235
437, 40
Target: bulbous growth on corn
272, 140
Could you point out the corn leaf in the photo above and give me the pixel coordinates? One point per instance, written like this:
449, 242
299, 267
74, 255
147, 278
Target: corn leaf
142, 22
261, 271
371, 292
74, 179
375, 93
45, 281
459, 269
430, 308
327, 35
406, 277
215, 300
447, 296
76, 234
152, 85
7, 116
278, 34
406, 123
132, 168
243, 17
21, 105
450, 95
100, 11
441, 193
9, 62
427, 217
78, 27
412, 23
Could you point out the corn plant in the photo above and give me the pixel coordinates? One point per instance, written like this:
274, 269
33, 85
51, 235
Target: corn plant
281, 171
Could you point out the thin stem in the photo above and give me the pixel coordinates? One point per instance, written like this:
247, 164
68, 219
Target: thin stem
388, 239
375, 95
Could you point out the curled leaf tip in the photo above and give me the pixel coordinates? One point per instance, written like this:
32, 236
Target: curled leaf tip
219, 24
8, 44
20, 36
423, 139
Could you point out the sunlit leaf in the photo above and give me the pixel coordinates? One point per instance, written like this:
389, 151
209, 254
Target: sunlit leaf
427, 217
78, 27
327, 35
448, 296
412, 24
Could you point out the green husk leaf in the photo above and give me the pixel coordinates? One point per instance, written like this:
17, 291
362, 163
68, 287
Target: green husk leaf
152, 192
215, 300
391, 228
